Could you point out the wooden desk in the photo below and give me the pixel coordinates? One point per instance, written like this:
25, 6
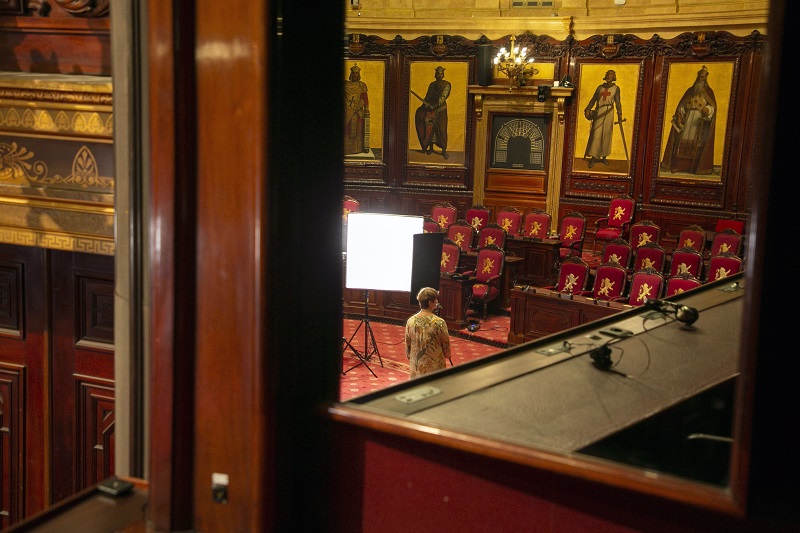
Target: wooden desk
540, 258
539, 312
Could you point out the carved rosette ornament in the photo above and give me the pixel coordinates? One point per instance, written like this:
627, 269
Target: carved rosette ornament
85, 8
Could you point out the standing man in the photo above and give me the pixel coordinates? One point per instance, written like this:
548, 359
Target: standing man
690, 146
430, 118
356, 111
600, 111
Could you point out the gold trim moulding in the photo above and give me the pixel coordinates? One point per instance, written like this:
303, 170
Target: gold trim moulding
57, 241
91, 208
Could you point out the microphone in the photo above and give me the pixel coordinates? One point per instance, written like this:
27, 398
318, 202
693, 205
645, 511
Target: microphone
683, 313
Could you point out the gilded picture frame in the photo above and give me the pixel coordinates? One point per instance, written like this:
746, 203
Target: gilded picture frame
424, 147
602, 143
696, 109
364, 110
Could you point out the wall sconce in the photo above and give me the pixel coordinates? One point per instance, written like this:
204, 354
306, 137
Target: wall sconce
543, 93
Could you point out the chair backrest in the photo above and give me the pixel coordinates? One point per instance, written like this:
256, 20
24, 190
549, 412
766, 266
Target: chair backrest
609, 281
490, 263
430, 226
735, 225
723, 265
644, 232
492, 234
649, 255
451, 255
349, 205
537, 224
510, 218
617, 251
645, 284
686, 261
478, 216
726, 241
572, 229
573, 275
693, 237
461, 233
620, 211
681, 283
444, 214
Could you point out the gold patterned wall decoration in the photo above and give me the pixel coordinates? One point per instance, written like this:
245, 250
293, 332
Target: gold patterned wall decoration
57, 162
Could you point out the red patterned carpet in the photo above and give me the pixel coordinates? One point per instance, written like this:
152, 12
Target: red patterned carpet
389, 337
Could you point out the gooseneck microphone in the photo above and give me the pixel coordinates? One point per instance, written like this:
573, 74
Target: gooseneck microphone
683, 313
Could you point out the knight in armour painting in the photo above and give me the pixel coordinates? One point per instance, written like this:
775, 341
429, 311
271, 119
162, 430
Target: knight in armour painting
356, 112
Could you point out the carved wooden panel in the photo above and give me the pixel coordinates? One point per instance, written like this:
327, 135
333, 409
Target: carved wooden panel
12, 443
11, 7
95, 433
11, 311
96, 310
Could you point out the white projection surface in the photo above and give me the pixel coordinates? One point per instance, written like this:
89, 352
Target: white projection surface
380, 251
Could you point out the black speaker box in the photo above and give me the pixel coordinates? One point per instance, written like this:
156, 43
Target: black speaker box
485, 65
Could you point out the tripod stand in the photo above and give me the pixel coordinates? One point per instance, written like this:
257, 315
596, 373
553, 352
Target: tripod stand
370, 346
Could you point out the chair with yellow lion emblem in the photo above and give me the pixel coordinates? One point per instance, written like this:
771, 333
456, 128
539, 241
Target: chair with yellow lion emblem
451, 255
536, 224
686, 260
349, 205
573, 276
615, 225
478, 216
617, 251
681, 283
609, 282
649, 255
510, 219
461, 233
444, 214
430, 226
645, 284
488, 273
723, 265
492, 234
693, 237
725, 241
571, 234
644, 232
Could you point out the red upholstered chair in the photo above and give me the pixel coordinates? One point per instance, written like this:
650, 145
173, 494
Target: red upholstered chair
510, 218
536, 224
492, 234
488, 272
686, 261
615, 225
645, 284
725, 241
617, 251
729, 223
478, 216
723, 265
644, 232
609, 282
573, 276
451, 255
649, 255
349, 205
571, 234
444, 214
430, 226
461, 233
681, 283
693, 237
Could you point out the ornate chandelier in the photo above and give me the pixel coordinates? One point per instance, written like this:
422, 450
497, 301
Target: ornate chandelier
514, 63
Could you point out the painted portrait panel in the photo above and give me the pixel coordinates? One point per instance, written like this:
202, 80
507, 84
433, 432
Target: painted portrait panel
696, 110
437, 112
602, 143
363, 104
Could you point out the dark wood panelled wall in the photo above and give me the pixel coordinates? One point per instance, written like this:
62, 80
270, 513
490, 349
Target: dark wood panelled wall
398, 181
